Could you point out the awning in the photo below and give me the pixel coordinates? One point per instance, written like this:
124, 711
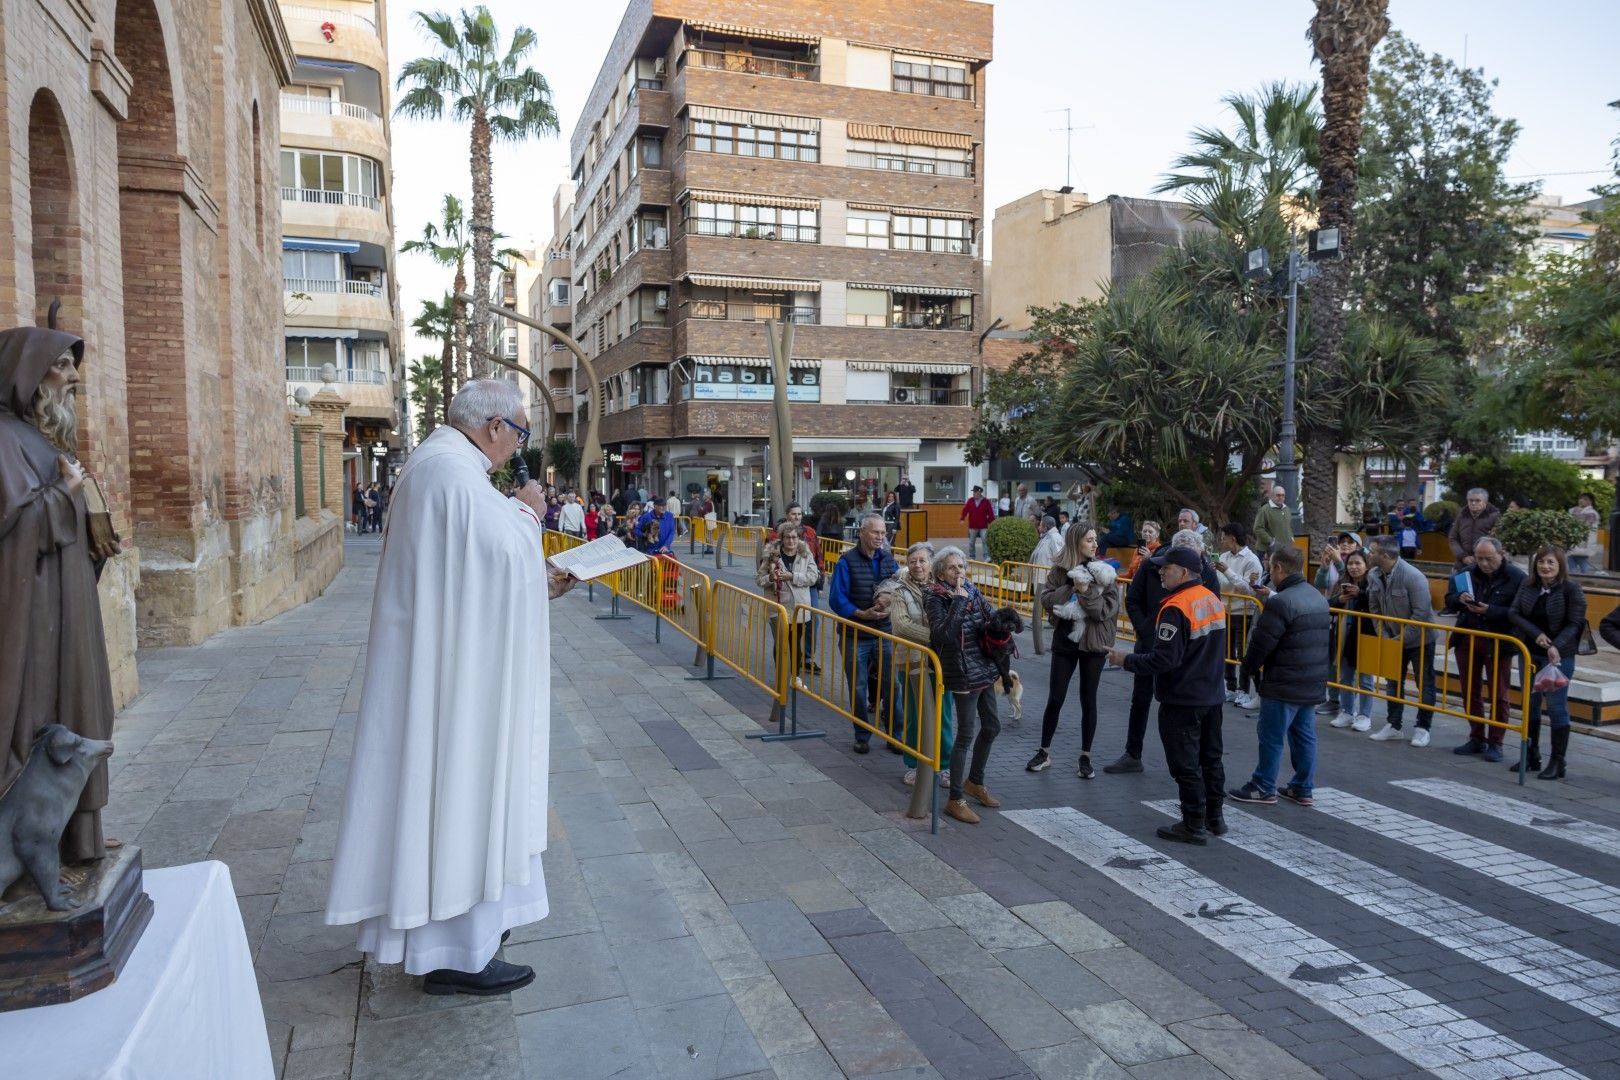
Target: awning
346, 334
903, 55
923, 369
914, 290
755, 32
914, 211
754, 119
306, 243
721, 281
911, 136
333, 65
744, 198
750, 361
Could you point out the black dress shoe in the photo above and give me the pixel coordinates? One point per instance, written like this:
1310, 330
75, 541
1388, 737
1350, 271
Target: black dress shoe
863, 747
1183, 833
498, 977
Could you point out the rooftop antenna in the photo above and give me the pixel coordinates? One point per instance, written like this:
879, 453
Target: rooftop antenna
1069, 129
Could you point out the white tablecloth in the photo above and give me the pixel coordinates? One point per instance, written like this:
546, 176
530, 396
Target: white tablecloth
185, 1006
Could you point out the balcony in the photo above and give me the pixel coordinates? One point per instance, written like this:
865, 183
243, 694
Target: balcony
321, 16
744, 311
365, 376
326, 285
754, 65
652, 106
331, 198
297, 103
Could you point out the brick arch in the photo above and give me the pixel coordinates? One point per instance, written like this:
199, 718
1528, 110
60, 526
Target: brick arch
53, 204
152, 218
55, 232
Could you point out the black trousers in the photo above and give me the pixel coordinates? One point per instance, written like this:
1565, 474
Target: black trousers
1192, 748
1141, 704
1090, 666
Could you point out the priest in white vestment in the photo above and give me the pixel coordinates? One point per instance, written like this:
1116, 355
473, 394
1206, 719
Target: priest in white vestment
444, 820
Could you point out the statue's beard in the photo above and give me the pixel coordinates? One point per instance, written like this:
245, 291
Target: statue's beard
57, 419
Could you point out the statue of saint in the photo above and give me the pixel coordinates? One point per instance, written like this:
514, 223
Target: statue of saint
53, 656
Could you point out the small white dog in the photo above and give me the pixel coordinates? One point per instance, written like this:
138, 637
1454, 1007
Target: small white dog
1092, 578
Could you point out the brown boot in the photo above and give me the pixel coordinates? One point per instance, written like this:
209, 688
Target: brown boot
979, 793
961, 811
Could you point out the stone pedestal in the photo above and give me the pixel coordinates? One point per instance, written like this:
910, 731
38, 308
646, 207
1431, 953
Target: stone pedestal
51, 957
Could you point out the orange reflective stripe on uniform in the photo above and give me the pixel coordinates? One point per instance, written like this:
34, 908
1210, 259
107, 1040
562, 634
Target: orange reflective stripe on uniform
1202, 609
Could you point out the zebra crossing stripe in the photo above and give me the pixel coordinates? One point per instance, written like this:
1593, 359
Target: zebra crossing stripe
1560, 973
1503, 865
1588, 834
1409, 1022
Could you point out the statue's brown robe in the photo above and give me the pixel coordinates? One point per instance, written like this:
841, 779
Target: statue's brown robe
53, 657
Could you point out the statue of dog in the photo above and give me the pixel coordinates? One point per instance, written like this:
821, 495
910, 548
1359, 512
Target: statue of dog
35, 810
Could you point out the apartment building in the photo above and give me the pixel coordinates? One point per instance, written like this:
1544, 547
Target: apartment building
340, 294
819, 164
550, 299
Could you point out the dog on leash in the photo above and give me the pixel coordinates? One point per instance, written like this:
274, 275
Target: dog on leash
999, 645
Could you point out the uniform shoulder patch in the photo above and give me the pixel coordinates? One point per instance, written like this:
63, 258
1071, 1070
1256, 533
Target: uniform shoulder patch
1167, 631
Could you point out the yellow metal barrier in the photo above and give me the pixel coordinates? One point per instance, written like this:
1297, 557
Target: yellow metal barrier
684, 595
831, 551
740, 636
1481, 685
553, 542
745, 541
1021, 586
911, 669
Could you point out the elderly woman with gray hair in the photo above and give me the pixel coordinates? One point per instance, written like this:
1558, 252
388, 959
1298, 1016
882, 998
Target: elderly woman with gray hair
909, 617
957, 617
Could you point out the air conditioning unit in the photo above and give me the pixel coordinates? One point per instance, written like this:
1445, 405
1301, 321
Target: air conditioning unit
661, 300
902, 394
659, 66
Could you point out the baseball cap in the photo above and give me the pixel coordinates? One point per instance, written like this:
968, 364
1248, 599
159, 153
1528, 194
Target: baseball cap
1186, 558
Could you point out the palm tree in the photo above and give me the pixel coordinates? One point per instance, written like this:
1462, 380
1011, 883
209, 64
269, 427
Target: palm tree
1249, 181
438, 320
1343, 35
480, 83
426, 387
448, 244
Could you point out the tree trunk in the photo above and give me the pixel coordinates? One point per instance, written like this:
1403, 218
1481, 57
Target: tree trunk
458, 369
447, 388
483, 234
1344, 33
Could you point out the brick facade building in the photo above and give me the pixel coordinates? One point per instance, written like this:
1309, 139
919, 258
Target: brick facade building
137, 180
820, 164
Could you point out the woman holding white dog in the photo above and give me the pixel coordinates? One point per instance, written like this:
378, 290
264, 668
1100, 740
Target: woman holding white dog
1081, 594
910, 621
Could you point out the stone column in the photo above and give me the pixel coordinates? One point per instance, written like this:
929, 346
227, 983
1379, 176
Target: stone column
328, 407
308, 432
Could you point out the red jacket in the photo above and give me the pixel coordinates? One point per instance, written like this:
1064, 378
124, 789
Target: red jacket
978, 513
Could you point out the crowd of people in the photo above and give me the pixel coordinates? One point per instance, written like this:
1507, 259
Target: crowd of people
1230, 617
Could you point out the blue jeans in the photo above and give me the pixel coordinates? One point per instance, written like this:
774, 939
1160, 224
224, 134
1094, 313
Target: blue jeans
857, 664
1557, 702
975, 542
1280, 719
1349, 700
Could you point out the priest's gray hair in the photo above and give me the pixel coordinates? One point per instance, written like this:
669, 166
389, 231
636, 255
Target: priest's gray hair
482, 399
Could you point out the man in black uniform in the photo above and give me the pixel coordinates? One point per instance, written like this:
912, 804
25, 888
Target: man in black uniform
1188, 664
1142, 602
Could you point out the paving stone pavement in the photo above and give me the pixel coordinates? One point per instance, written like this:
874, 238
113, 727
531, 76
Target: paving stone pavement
727, 908
720, 907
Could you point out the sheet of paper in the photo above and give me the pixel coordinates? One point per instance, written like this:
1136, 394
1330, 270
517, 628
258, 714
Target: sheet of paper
606, 555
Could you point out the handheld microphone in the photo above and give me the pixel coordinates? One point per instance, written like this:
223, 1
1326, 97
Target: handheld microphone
520, 470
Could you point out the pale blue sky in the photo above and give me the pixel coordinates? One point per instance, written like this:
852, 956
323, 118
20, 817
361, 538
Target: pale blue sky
1138, 76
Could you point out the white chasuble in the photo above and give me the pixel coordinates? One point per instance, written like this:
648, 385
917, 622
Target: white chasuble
444, 818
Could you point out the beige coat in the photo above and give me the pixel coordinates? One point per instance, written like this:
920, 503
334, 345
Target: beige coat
906, 612
795, 590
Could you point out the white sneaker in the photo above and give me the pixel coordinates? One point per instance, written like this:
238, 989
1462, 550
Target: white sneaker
1248, 702
1388, 734
1362, 723
1344, 720
1420, 737
1231, 695
910, 778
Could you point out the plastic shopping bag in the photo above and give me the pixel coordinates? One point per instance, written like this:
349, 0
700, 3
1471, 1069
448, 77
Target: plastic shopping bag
1549, 679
